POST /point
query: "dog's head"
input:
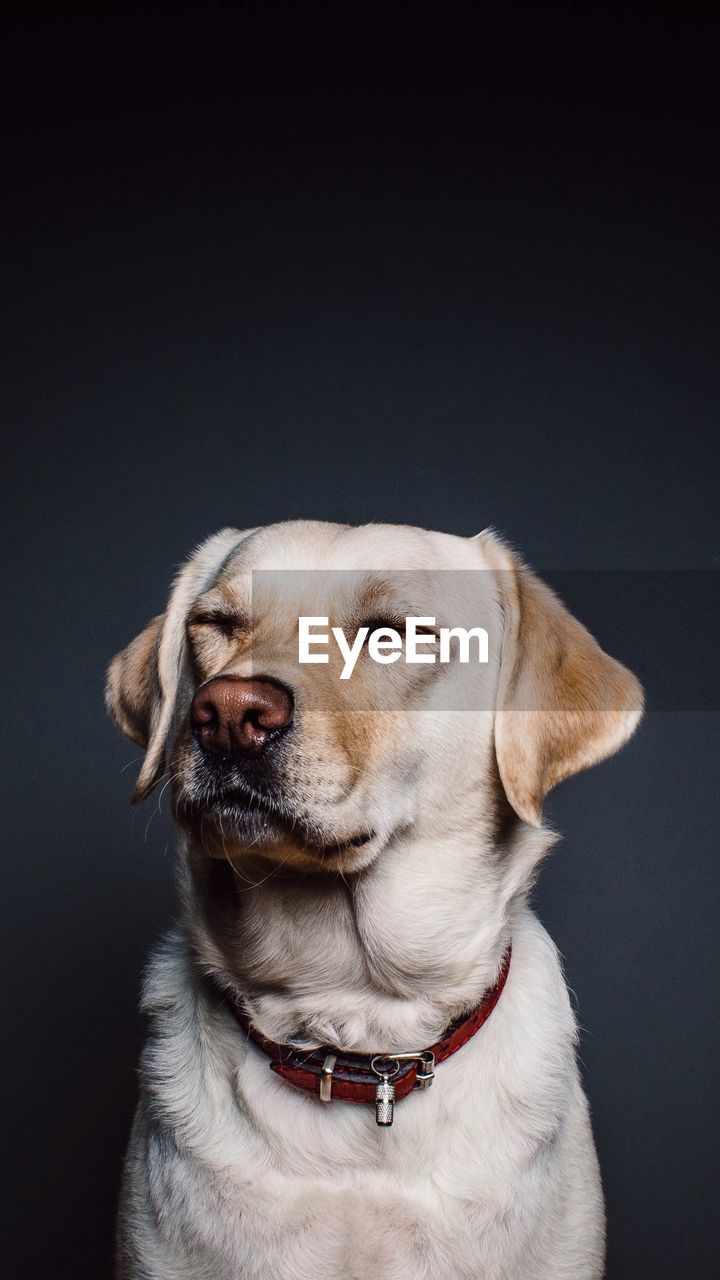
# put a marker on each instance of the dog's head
(294, 762)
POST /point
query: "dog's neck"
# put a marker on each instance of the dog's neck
(383, 959)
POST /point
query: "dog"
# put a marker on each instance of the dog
(355, 861)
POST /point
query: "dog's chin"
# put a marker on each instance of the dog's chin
(239, 832)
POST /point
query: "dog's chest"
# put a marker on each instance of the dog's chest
(333, 1195)
(247, 1177)
(356, 1222)
(351, 1230)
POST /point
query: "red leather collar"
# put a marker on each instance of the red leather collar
(351, 1077)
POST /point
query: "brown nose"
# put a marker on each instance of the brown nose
(233, 716)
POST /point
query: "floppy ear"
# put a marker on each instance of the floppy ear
(563, 703)
(132, 687)
(142, 681)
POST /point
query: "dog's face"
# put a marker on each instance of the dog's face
(308, 764)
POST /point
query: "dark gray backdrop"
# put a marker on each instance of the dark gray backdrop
(451, 266)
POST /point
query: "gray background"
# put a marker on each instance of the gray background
(447, 266)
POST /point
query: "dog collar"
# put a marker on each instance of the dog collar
(365, 1077)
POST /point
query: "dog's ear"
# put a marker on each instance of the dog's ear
(563, 704)
(132, 687)
(142, 681)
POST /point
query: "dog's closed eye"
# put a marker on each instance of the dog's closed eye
(226, 624)
(213, 634)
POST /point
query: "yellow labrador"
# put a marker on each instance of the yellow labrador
(361, 1063)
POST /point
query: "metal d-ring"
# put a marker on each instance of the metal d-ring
(426, 1066)
(385, 1075)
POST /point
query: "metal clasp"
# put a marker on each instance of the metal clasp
(426, 1070)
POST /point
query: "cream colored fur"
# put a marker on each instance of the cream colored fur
(491, 1174)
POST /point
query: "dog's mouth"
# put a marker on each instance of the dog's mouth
(238, 817)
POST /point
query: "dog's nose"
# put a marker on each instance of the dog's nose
(233, 716)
